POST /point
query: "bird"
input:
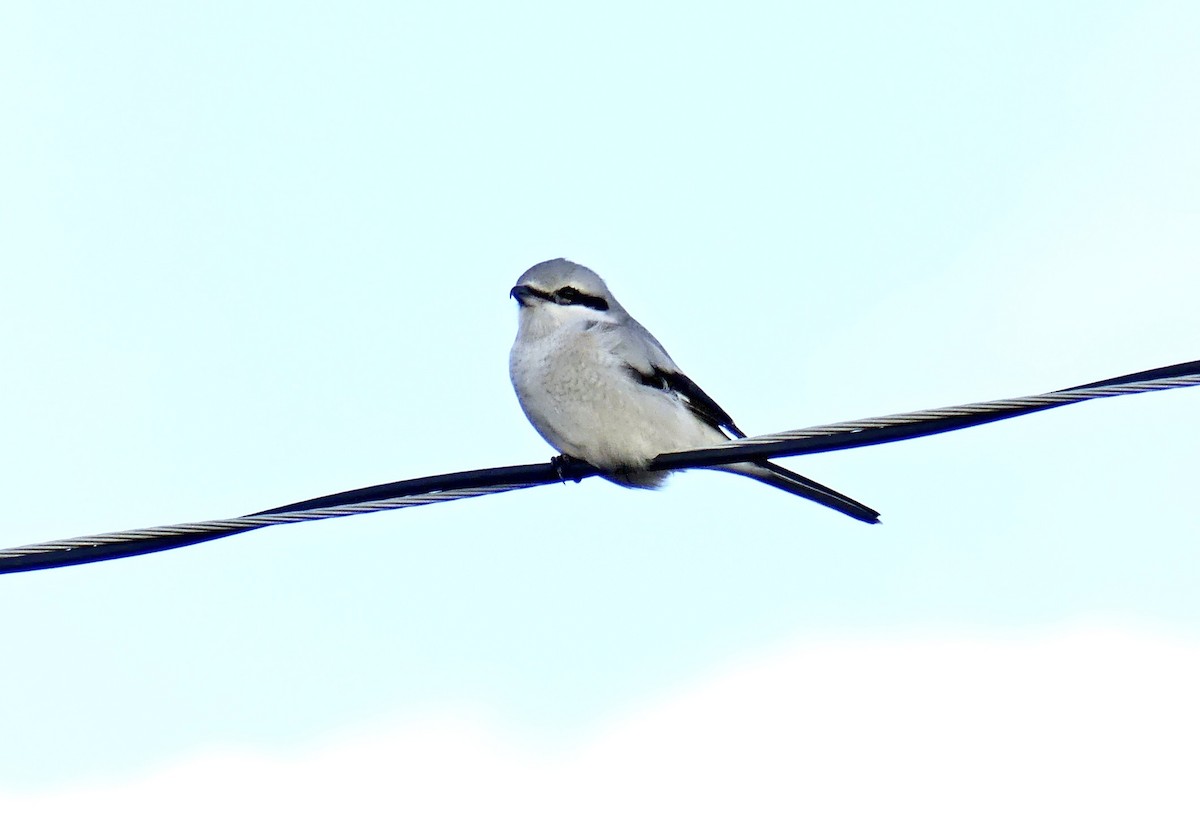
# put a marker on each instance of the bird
(600, 388)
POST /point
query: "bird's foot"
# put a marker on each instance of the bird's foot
(560, 464)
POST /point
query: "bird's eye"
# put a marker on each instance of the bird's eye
(573, 295)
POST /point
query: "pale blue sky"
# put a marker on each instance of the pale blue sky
(254, 253)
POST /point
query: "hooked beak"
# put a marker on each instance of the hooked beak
(524, 295)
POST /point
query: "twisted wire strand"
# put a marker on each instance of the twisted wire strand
(463, 485)
(895, 427)
(249, 522)
(1036, 402)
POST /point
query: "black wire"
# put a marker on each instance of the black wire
(1169, 372)
(571, 469)
(894, 433)
(36, 560)
(529, 475)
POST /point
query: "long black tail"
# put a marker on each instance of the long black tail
(793, 483)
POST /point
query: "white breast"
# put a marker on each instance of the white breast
(584, 401)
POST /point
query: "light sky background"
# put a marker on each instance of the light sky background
(254, 253)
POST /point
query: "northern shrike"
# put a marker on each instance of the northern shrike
(598, 387)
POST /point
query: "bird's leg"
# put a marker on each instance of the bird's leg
(560, 464)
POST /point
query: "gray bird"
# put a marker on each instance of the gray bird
(598, 387)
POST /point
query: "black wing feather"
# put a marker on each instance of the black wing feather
(699, 402)
(703, 406)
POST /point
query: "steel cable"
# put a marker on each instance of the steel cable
(462, 485)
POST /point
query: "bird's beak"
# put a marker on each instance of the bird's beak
(523, 294)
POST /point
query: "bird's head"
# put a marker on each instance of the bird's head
(559, 291)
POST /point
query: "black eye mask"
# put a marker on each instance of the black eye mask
(572, 295)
